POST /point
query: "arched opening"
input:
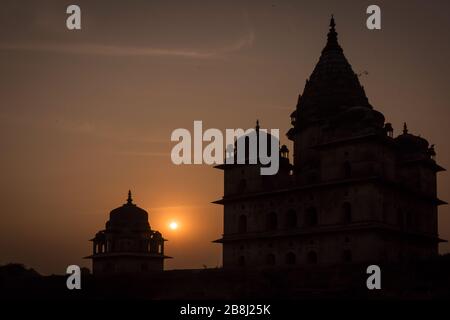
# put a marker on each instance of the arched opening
(347, 212)
(284, 152)
(270, 259)
(311, 258)
(242, 225)
(272, 221)
(347, 256)
(290, 258)
(291, 219)
(241, 261)
(311, 217)
(347, 169)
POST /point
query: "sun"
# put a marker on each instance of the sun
(173, 225)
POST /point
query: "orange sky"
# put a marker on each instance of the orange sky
(87, 115)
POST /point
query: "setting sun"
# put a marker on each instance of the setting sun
(173, 225)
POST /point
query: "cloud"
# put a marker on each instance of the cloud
(81, 127)
(105, 132)
(119, 51)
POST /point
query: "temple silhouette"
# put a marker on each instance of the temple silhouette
(354, 193)
(127, 245)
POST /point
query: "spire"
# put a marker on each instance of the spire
(257, 125)
(129, 200)
(333, 85)
(405, 128)
(332, 42)
(332, 24)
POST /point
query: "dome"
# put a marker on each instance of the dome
(410, 142)
(128, 216)
(250, 140)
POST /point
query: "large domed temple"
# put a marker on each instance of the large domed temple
(354, 193)
(128, 244)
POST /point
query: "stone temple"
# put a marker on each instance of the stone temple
(127, 245)
(354, 193)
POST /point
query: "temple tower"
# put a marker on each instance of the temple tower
(355, 193)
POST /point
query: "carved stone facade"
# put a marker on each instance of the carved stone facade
(355, 193)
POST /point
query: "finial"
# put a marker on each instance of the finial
(332, 43)
(432, 152)
(257, 125)
(405, 128)
(129, 200)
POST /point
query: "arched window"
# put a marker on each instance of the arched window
(347, 169)
(272, 221)
(242, 225)
(312, 257)
(241, 261)
(347, 212)
(290, 258)
(311, 217)
(291, 219)
(347, 256)
(270, 259)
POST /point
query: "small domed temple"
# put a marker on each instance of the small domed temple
(127, 245)
(354, 193)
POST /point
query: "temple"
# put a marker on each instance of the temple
(127, 245)
(354, 192)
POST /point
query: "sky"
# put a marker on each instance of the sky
(87, 115)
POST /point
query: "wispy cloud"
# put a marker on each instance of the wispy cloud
(81, 127)
(122, 51)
